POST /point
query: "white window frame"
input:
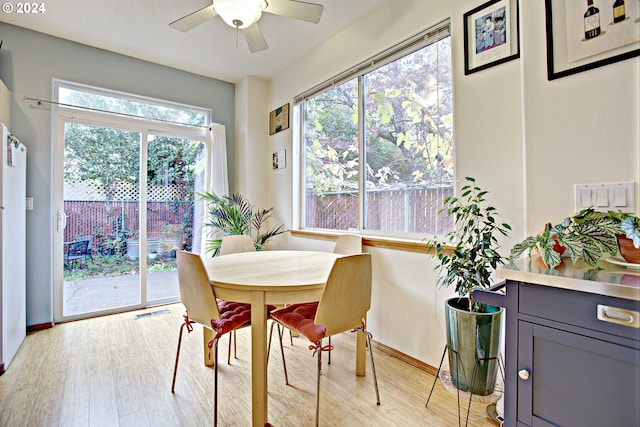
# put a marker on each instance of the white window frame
(412, 44)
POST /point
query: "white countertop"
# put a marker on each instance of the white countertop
(612, 280)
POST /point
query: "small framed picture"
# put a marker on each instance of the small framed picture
(586, 35)
(279, 119)
(491, 35)
(279, 159)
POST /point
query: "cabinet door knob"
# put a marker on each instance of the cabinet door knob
(523, 374)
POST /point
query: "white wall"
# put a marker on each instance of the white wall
(525, 139)
(252, 158)
(579, 129)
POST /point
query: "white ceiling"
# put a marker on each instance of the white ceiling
(141, 29)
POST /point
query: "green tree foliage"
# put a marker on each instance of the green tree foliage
(407, 126)
(109, 158)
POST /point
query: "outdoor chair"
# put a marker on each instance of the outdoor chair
(75, 253)
(89, 251)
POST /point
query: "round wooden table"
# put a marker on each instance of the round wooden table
(271, 277)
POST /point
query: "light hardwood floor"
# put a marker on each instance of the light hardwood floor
(116, 371)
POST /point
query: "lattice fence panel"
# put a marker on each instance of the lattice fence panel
(94, 190)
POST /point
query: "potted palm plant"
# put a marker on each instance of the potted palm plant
(236, 215)
(467, 257)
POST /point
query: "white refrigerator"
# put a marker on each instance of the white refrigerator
(13, 317)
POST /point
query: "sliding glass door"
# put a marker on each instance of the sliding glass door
(100, 219)
(125, 192)
(174, 175)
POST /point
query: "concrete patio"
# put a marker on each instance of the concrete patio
(93, 294)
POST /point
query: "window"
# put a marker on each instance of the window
(378, 144)
(94, 99)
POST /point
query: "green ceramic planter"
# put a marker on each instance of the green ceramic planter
(473, 336)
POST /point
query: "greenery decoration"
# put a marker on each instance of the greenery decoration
(229, 215)
(631, 227)
(589, 235)
(469, 254)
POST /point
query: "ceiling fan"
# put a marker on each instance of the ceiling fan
(244, 15)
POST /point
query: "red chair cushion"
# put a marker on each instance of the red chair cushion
(233, 315)
(299, 317)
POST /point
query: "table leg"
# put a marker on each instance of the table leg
(259, 359)
(361, 354)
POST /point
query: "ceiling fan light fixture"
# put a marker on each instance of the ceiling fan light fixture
(239, 14)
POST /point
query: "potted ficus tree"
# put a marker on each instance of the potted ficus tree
(467, 256)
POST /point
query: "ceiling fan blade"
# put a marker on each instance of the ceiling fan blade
(310, 12)
(254, 38)
(194, 19)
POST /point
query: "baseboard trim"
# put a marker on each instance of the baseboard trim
(39, 327)
(405, 358)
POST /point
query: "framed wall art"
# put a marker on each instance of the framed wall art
(279, 119)
(491, 35)
(582, 35)
(279, 159)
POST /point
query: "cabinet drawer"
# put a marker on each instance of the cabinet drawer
(577, 308)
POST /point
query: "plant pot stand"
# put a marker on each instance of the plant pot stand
(445, 379)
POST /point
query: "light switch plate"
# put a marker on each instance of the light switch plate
(619, 196)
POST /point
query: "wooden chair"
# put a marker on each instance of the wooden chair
(230, 245)
(199, 298)
(343, 307)
(348, 244)
(236, 243)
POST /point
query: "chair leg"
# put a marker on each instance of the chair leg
(235, 346)
(229, 353)
(215, 383)
(280, 336)
(284, 363)
(175, 368)
(373, 367)
(319, 367)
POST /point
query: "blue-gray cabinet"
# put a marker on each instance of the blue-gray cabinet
(572, 357)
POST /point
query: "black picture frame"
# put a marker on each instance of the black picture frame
(496, 42)
(567, 44)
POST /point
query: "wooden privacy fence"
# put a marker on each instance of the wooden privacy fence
(410, 210)
(400, 211)
(105, 219)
